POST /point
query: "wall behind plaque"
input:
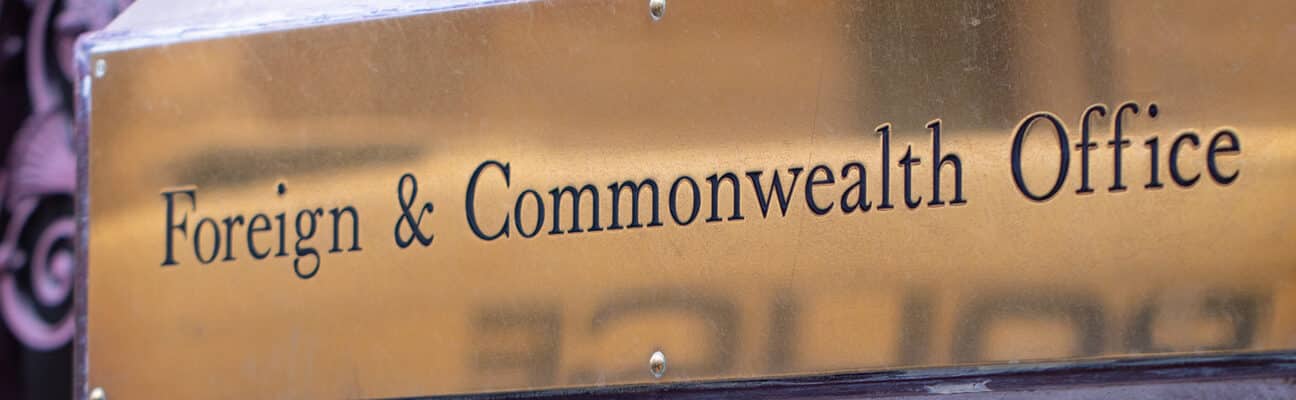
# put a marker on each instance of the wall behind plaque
(37, 182)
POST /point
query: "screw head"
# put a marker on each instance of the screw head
(100, 68)
(657, 364)
(656, 9)
(98, 394)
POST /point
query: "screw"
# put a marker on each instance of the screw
(657, 364)
(98, 394)
(656, 8)
(101, 67)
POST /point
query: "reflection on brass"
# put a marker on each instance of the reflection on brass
(535, 195)
(657, 364)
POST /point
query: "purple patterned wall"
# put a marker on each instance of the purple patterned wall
(37, 182)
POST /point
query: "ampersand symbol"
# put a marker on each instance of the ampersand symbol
(408, 219)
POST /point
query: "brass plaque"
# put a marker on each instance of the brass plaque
(539, 195)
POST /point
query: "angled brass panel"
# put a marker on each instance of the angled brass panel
(226, 177)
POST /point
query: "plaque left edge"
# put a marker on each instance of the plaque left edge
(122, 37)
(81, 143)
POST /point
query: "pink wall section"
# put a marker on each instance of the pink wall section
(37, 181)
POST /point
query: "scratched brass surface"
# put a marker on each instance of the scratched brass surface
(577, 92)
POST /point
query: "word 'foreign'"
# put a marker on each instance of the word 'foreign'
(258, 233)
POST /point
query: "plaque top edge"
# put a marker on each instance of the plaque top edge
(156, 23)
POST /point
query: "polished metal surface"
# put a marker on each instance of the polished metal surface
(447, 141)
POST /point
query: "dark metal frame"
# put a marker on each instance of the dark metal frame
(1246, 376)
